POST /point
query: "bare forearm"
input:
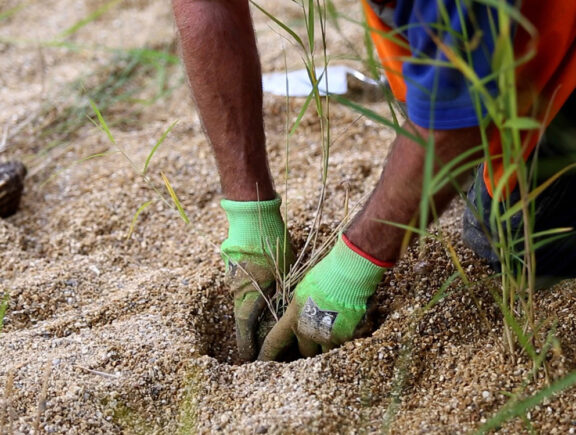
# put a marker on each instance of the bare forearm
(221, 59)
(396, 197)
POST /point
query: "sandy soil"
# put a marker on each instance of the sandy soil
(106, 333)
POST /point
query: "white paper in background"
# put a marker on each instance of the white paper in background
(334, 80)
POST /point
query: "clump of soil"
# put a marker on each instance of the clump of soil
(112, 331)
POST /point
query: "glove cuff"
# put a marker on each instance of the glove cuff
(349, 277)
(255, 228)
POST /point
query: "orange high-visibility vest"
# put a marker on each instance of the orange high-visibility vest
(544, 82)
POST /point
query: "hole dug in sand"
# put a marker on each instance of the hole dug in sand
(212, 320)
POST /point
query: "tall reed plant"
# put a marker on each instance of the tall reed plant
(525, 332)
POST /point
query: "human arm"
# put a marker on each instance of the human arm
(397, 195)
(221, 59)
(396, 198)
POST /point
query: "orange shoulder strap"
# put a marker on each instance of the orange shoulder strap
(390, 52)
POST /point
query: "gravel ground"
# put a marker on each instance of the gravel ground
(111, 332)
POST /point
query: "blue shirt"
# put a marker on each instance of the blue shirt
(439, 96)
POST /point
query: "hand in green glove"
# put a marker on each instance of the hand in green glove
(328, 304)
(254, 250)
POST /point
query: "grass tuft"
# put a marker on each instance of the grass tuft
(519, 407)
(3, 308)
(87, 20)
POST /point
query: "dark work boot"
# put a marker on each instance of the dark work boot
(553, 208)
(476, 233)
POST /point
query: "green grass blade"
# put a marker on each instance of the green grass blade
(370, 114)
(12, 11)
(3, 308)
(534, 193)
(91, 17)
(102, 122)
(151, 56)
(77, 162)
(441, 293)
(409, 228)
(281, 24)
(315, 92)
(522, 123)
(175, 199)
(427, 196)
(513, 12)
(149, 158)
(551, 237)
(521, 407)
(372, 63)
(301, 114)
(310, 25)
(333, 14)
(135, 217)
(523, 339)
(499, 192)
(457, 166)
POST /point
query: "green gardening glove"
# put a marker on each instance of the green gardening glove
(254, 252)
(328, 304)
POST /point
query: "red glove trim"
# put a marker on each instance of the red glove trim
(379, 263)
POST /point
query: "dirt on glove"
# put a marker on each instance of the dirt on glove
(109, 330)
